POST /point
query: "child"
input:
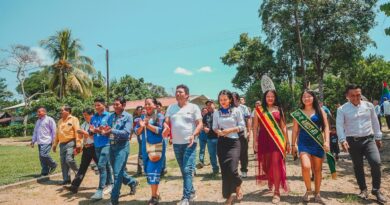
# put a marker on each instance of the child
(334, 143)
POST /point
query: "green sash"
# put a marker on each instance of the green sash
(314, 132)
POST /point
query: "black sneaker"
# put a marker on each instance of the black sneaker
(72, 189)
(52, 169)
(133, 188)
(63, 183)
(363, 194)
(379, 196)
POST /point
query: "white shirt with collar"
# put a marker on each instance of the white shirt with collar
(357, 121)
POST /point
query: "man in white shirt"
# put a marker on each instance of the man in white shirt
(184, 120)
(386, 111)
(378, 112)
(360, 135)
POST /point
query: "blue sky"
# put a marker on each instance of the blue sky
(148, 39)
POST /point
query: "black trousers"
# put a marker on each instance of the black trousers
(365, 147)
(379, 120)
(228, 151)
(243, 152)
(387, 121)
(86, 158)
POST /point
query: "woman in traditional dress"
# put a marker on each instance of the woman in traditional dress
(311, 153)
(271, 144)
(227, 122)
(150, 127)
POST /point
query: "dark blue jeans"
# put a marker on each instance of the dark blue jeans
(185, 157)
(44, 156)
(119, 154)
(212, 147)
(202, 147)
(104, 166)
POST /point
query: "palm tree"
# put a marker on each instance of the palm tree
(70, 71)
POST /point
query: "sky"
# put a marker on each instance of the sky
(165, 42)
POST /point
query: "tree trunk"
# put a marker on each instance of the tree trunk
(20, 77)
(320, 77)
(301, 57)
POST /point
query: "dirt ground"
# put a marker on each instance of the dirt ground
(339, 191)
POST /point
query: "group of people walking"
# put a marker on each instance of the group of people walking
(104, 138)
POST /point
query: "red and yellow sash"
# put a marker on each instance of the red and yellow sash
(272, 128)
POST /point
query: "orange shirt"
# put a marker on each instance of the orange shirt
(67, 131)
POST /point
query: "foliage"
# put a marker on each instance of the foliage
(386, 9)
(36, 82)
(333, 32)
(252, 59)
(71, 71)
(4, 92)
(135, 89)
(16, 130)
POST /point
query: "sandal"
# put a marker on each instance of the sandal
(154, 200)
(239, 194)
(306, 197)
(275, 199)
(229, 200)
(318, 199)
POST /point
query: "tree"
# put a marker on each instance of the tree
(5, 94)
(36, 82)
(253, 59)
(71, 71)
(135, 89)
(332, 32)
(386, 9)
(20, 60)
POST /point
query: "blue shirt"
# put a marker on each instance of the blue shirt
(96, 121)
(121, 125)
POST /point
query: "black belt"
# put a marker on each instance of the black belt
(114, 142)
(357, 139)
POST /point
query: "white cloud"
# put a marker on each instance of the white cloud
(43, 55)
(182, 71)
(205, 69)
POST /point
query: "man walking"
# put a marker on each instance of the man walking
(360, 135)
(69, 139)
(120, 124)
(386, 111)
(212, 138)
(185, 121)
(44, 134)
(102, 148)
(245, 134)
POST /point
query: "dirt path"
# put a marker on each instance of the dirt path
(340, 191)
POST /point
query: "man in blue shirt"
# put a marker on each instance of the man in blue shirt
(119, 128)
(102, 148)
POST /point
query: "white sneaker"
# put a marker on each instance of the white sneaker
(184, 202)
(107, 189)
(244, 174)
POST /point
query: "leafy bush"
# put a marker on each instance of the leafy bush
(15, 130)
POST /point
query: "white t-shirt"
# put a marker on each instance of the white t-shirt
(183, 121)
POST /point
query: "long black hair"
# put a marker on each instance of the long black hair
(229, 95)
(316, 106)
(236, 97)
(276, 103)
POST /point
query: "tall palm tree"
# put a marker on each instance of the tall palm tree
(70, 71)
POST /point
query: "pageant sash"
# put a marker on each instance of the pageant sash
(272, 128)
(314, 132)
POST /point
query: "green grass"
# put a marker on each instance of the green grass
(20, 163)
(350, 198)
